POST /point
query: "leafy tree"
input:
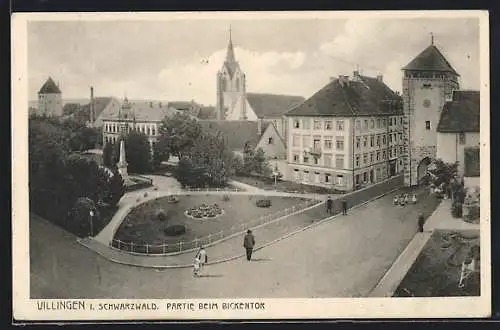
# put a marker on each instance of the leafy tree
(109, 155)
(116, 189)
(177, 135)
(190, 175)
(248, 159)
(70, 108)
(441, 174)
(138, 152)
(254, 161)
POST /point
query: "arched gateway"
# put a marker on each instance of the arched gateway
(422, 168)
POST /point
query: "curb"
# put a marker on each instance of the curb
(394, 266)
(243, 254)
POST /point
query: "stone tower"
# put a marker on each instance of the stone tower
(428, 82)
(50, 99)
(231, 88)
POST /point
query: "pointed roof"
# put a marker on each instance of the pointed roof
(230, 63)
(49, 87)
(431, 59)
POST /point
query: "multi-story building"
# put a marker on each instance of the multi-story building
(145, 117)
(428, 83)
(458, 137)
(49, 99)
(346, 135)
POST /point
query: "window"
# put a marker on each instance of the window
(316, 160)
(390, 153)
(383, 140)
(317, 125)
(389, 122)
(327, 177)
(378, 173)
(390, 138)
(339, 180)
(401, 150)
(317, 143)
(295, 141)
(296, 123)
(378, 155)
(328, 125)
(340, 142)
(365, 124)
(461, 138)
(384, 155)
(383, 123)
(372, 123)
(358, 141)
(378, 140)
(296, 174)
(295, 158)
(305, 177)
(371, 157)
(357, 178)
(378, 123)
(365, 177)
(372, 139)
(328, 142)
(340, 125)
(306, 123)
(427, 125)
(327, 160)
(149, 130)
(339, 161)
(357, 160)
(154, 130)
(358, 124)
(316, 177)
(365, 159)
(270, 140)
(365, 141)
(306, 159)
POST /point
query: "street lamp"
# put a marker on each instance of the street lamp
(91, 225)
(276, 173)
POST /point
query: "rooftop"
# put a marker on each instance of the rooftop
(236, 132)
(272, 105)
(461, 114)
(359, 96)
(49, 87)
(143, 111)
(431, 59)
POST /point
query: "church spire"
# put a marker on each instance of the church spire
(230, 58)
(432, 38)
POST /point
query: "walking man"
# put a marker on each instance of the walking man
(344, 207)
(329, 203)
(421, 222)
(200, 260)
(249, 243)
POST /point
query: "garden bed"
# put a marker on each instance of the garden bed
(141, 225)
(436, 271)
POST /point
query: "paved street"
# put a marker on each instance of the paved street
(342, 258)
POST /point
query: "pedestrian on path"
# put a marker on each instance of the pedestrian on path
(344, 207)
(200, 260)
(249, 243)
(329, 204)
(421, 222)
(196, 266)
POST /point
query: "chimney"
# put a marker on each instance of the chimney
(91, 106)
(380, 78)
(259, 126)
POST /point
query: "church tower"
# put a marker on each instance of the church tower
(50, 99)
(231, 88)
(428, 82)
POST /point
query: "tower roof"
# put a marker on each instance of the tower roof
(49, 87)
(431, 59)
(230, 63)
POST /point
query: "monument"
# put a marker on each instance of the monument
(122, 165)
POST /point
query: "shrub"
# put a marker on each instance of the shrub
(172, 199)
(456, 210)
(161, 215)
(225, 198)
(175, 230)
(263, 203)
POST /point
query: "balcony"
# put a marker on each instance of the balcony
(315, 152)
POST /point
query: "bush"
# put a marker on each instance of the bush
(263, 203)
(175, 230)
(456, 210)
(161, 215)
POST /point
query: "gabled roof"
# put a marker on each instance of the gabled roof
(431, 59)
(100, 103)
(236, 132)
(363, 96)
(461, 114)
(49, 87)
(143, 111)
(272, 105)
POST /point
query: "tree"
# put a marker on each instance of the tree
(70, 108)
(116, 189)
(441, 174)
(109, 157)
(177, 135)
(254, 161)
(248, 159)
(138, 152)
(190, 175)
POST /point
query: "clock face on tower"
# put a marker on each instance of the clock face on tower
(427, 103)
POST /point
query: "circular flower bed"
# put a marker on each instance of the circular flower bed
(204, 211)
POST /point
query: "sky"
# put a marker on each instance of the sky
(179, 59)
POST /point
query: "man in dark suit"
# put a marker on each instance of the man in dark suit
(329, 204)
(344, 207)
(249, 243)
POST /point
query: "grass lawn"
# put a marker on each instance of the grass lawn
(436, 272)
(141, 226)
(286, 186)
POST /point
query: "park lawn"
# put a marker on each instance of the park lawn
(436, 271)
(285, 186)
(240, 212)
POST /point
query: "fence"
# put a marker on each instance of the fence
(180, 247)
